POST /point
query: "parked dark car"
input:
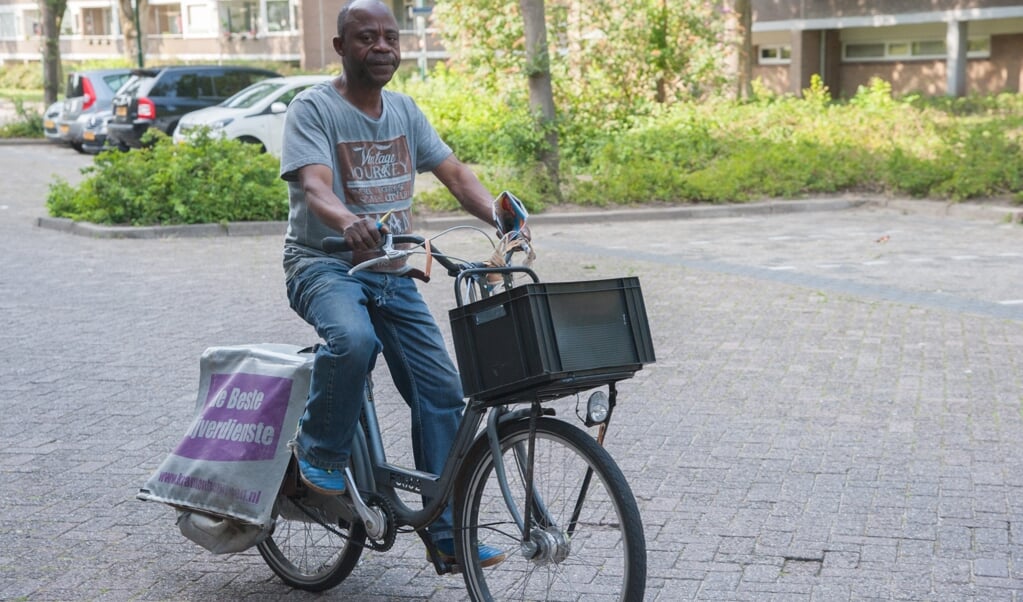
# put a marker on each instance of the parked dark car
(88, 93)
(158, 97)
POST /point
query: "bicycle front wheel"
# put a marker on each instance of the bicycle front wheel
(309, 547)
(586, 536)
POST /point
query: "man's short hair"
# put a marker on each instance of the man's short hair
(342, 15)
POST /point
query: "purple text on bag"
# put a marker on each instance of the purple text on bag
(241, 419)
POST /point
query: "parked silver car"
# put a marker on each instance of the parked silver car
(89, 93)
(50, 123)
(94, 133)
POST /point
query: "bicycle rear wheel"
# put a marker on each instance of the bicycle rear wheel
(587, 537)
(309, 548)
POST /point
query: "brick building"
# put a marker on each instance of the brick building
(933, 47)
(929, 46)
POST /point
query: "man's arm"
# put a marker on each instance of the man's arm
(317, 181)
(466, 188)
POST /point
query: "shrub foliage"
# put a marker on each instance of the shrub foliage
(208, 181)
(718, 150)
(713, 150)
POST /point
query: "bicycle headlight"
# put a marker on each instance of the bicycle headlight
(597, 408)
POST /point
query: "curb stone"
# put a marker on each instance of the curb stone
(983, 211)
(440, 222)
(183, 231)
(987, 212)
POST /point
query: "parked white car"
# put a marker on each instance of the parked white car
(255, 114)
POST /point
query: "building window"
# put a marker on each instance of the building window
(908, 50)
(97, 21)
(200, 20)
(166, 18)
(8, 27)
(978, 47)
(239, 16)
(280, 16)
(774, 55)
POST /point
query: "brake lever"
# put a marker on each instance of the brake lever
(389, 254)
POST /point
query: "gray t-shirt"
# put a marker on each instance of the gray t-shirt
(374, 161)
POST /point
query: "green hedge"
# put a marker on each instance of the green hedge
(714, 151)
(209, 181)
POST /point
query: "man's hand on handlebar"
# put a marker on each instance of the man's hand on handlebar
(364, 234)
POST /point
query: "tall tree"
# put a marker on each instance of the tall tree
(743, 13)
(541, 91)
(53, 16)
(610, 54)
(128, 21)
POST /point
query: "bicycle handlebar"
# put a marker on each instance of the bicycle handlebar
(337, 244)
(461, 272)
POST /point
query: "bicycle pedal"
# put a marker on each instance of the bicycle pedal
(443, 566)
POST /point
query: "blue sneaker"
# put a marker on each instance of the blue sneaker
(321, 480)
(489, 556)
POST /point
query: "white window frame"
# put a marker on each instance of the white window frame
(891, 56)
(780, 49)
(192, 29)
(264, 19)
(13, 34)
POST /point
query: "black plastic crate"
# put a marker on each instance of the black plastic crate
(549, 339)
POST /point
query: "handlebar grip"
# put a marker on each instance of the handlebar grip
(337, 244)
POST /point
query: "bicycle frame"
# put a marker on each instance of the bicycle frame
(377, 475)
(373, 474)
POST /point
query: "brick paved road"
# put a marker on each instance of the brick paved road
(830, 418)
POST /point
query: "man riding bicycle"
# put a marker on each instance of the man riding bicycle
(350, 155)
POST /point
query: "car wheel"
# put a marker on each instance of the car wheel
(254, 141)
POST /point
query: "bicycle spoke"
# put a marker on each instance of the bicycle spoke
(604, 558)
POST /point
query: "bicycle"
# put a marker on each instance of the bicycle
(539, 488)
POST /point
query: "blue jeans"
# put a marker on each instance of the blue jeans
(359, 316)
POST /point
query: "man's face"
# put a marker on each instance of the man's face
(369, 47)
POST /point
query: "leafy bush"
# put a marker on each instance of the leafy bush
(530, 185)
(21, 76)
(480, 127)
(29, 123)
(208, 181)
(714, 151)
(726, 151)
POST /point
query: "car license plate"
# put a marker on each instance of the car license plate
(122, 111)
(89, 136)
(65, 129)
(48, 124)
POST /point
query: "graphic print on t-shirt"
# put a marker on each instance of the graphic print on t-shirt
(377, 177)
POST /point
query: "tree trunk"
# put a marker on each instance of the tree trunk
(53, 14)
(131, 33)
(541, 91)
(744, 47)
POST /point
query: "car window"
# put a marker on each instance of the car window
(231, 82)
(115, 80)
(206, 86)
(166, 85)
(189, 86)
(131, 87)
(290, 95)
(74, 86)
(252, 95)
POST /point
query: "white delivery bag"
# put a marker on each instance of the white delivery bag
(225, 473)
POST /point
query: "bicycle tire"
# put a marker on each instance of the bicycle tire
(307, 555)
(605, 557)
